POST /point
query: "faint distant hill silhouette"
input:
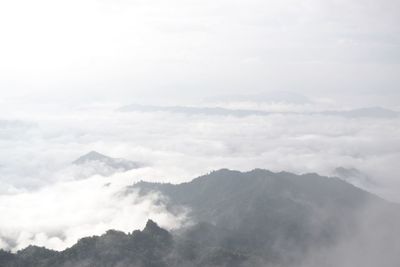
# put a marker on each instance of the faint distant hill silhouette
(368, 112)
(97, 163)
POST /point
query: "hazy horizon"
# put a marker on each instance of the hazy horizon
(101, 51)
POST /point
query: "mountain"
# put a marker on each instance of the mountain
(96, 163)
(261, 205)
(281, 217)
(115, 163)
(369, 112)
(189, 110)
(242, 219)
(151, 247)
(139, 248)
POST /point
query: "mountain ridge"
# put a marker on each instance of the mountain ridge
(365, 112)
(243, 219)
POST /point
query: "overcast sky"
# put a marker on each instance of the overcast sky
(120, 50)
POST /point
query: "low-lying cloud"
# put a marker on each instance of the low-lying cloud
(56, 216)
(43, 202)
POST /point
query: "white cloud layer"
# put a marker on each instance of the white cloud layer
(56, 216)
(43, 202)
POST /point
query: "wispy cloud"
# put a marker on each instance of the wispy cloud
(56, 216)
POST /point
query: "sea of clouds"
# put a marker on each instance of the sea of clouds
(44, 202)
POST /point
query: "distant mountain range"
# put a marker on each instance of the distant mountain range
(212, 111)
(372, 112)
(369, 112)
(256, 218)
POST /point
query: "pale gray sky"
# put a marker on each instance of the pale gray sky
(116, 50)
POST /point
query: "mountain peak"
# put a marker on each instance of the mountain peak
(95, 153)
(151, 226)
(105, 164)
(154, 230)
(91, 156)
